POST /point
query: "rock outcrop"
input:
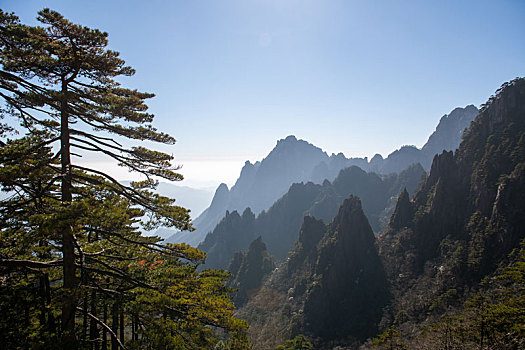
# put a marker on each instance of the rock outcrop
(349, 288)
(331, 288)
(249, 270)
(468, 214)
(279, 225)
(292, 161)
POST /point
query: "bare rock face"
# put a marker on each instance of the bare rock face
(279, 225)
(468, 214)
(249, 270)
(292, 161)
(233, 233)
(332, 287)
(509, 210)
(448, 133)
(403, 213)
(349, 286)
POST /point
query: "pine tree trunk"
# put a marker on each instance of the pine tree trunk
(132, 328)
(68, 247)
(93, 326)
(122, 325)
(114, 326)
(136, 328)
(104, 332)
(51, 326)
(85, 317)
(43, 299)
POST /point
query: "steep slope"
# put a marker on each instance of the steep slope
(332, 287)
(446, 137)
(259, 185)
(236, 231)
(280, 225)
(448, 133)
(206, 221)
(466, 218)
(291, 161)
(249, 270)
(351, 289)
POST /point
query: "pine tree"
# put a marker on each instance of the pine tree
(78, 225)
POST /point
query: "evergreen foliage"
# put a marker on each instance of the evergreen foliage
(332, 287)
(467, 216)
(280, 224)
(300, 342)
(445, 270)
(75, 272)
(491, 319)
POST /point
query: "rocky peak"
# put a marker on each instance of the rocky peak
(506, 106)
(350, 289)
(442, 164)
(249, 270)
(257, 247)
(349, 213)
(449, 131)
(311, 232)
(292, 146)
(248, 215)
(376, 158)
(221, 195)
(443, 169)
(403, 213)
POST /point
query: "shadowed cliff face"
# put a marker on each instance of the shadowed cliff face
(332, 287)
(464, 220)
(279, 226)
(249, 270)
(468, 214)
(448, 133)
(292, 161)
(350, 288)
(234, 228)
(403, 213)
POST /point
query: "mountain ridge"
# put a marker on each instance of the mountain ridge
(292, 161)
(462, 223)
(278, 226)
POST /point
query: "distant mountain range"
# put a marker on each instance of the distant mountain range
(279, 225)
(460, 237)
(194, 199)
(293, 161)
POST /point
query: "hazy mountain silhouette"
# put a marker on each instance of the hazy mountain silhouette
(261, 184)
(468, 214)
(279, 225)
(292, 161)
(195, 199)
(332, 286)
(340, 285)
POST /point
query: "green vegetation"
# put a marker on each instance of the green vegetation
(492, 319)
(389, 339)
(75, 272)
(300, 342)
(450, 268)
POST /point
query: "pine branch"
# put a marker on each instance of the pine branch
(21, 263)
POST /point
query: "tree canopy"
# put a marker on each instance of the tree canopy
(75, 270)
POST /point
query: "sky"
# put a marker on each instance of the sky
(232, 77)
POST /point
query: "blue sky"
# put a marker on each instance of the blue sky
(359, 77)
